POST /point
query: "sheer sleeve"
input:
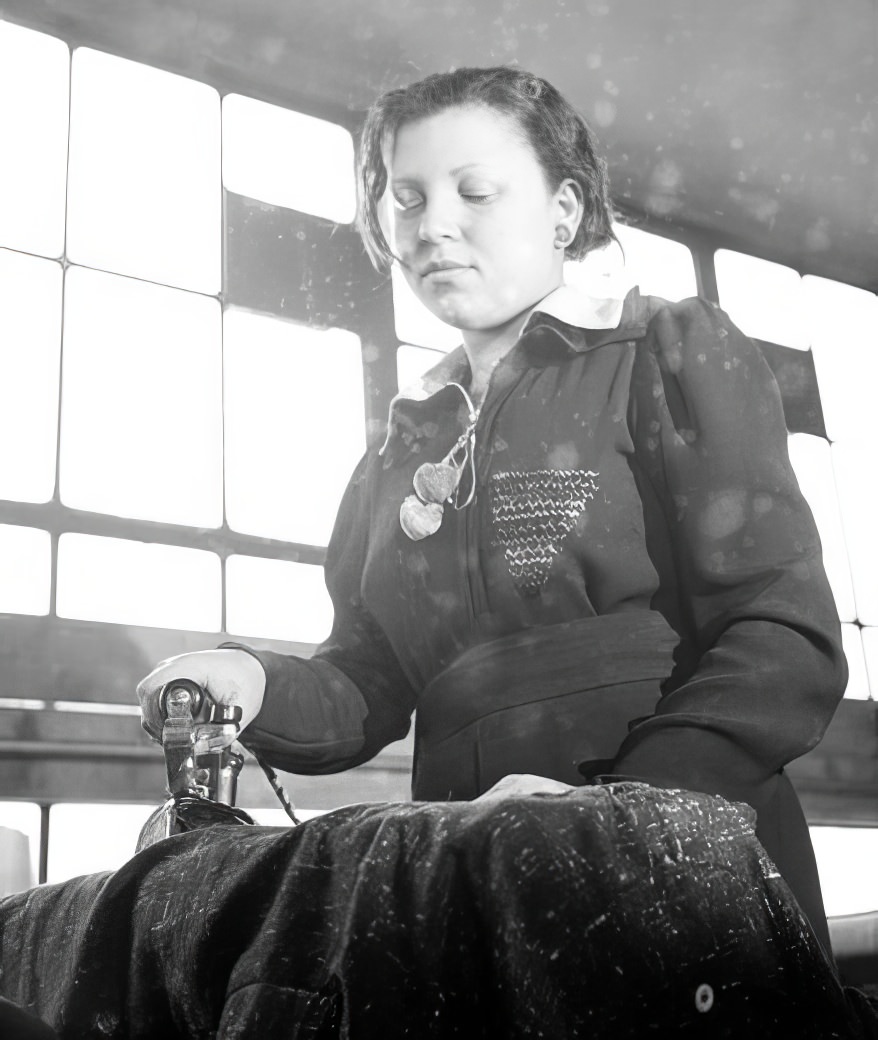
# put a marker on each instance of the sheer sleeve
(760, 668)
(341, 706)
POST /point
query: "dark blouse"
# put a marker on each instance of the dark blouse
(631, 471)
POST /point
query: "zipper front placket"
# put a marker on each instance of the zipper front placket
(475, 594)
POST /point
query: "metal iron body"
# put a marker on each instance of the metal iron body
(201, 764)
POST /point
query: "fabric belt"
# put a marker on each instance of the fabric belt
(542, 700)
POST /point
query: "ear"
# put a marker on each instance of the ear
(569, 209)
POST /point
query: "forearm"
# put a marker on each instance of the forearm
(316, 719)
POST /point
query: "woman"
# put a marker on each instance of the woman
(581, 551)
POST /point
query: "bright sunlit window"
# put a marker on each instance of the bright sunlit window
(295, 425)
(19, 846)
(415, 323)
(763, 299)
(30, 346)
(843, 321)
(870, 652)
(602, 273)
(34, 103)
(144, 191)
(112, 832)
(812, 462)
(276, 599)
(136, 583)
(413, 362)
(288, 158)
(846, 858)
(141, 422)
(660, 266)
(25, 570)
(858, 679)
(852, 464)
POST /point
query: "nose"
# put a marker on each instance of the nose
(438, 221)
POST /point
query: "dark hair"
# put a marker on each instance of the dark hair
(561, 139)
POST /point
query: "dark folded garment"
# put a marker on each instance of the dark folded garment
(611, 912)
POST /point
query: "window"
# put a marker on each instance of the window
(853, 466)
(34, 104)
(138, 583)
(413, 362)
(846, 858)
(19, 846)
(660, 266)
(294, 425)
(763, 299)
(141, 422)
(144, 194)
(277, 599)
(858, 679)
(112, 832)
(415, 323)
(30, 348)
(812, 461)
(293, 160)
(836, 323)
(842, 321)
(25, 570)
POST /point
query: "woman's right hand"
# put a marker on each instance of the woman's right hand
(227, 676)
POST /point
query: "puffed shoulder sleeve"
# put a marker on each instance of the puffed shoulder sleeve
(341, 706)
(760, 669)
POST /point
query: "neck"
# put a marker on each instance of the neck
(485, 348)
(483, 355)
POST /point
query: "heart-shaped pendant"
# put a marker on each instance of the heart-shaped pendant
(419, 519)
(435, 481)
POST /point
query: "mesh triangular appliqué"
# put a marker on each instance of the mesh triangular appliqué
(533, 513)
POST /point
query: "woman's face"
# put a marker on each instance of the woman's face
(473, 220)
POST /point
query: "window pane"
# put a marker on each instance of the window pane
(844, 330)
(141, 418)
(288, 158)
(602, 273)
(414, 323)
(852, 465)
(660, 266)
(137, 583)
(25, 570)
(846, 858)
(144, 194)
(277, 599)
(85, 839)
(30, 347)
(858, 681)
(295, 425)
(413, 362)
(812, 462)
(870, 652)
(764, 300)
(19, 846)
(34, 104)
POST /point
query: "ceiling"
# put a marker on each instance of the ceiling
(754, 121)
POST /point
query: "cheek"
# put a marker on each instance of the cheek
(525, 247)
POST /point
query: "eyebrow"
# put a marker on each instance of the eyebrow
(466, 166)
(454, 173)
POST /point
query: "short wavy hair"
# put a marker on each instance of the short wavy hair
(562, 141)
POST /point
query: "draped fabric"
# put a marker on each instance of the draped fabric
(610, 912)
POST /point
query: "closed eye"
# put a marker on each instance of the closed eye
(406, 202)
(479, 200)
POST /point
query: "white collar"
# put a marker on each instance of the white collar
(568, 303)
(575, 306)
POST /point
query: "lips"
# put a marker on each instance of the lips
(439, 266)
